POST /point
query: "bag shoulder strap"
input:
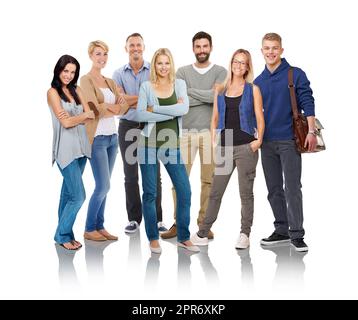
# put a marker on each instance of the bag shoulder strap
(291, 86)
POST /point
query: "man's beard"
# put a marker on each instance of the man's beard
(202, 59)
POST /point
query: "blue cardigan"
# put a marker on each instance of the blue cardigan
(246, 111)
(147, 97)
(277, 103)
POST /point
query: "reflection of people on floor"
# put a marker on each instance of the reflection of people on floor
(94, 257)
(184, 262)
(66, 269)
(211, 275)
(152, 271)
(247, 271)
(134, 252)
(290, 266)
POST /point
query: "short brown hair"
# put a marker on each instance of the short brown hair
(272, 37)
(135, 34)
(202, 35)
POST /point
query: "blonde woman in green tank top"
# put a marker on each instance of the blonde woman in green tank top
(161, 104)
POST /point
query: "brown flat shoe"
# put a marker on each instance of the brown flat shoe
(171, 233)
(210, 235)
(94, 236)
(107, 235)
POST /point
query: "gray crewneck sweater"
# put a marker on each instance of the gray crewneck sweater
(201, 94)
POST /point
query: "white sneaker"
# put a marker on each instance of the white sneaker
(157, 250)
(196, 240)
(243, 242)
(189, 248)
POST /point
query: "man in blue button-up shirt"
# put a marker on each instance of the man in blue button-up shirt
(129, 79)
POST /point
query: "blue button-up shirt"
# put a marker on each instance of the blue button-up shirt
(131, 82)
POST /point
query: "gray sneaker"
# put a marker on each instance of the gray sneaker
(132, 227)
(161, 227)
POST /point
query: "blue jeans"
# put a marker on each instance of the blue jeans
(71, 199)
(129, 136)
(104, 153)
(171, 159)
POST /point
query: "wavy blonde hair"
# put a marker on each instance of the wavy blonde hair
(153, 73)
(98, 43)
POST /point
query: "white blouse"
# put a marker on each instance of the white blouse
(107, 126)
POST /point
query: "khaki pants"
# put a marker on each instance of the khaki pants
(245, 160)
(190, 144)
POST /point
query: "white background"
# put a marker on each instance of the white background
(317, 36)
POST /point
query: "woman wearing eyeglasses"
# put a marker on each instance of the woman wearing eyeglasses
(239, 121)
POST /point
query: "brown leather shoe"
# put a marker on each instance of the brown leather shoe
(107, 235)
(171, 233)
(94, 236)
(210, 235)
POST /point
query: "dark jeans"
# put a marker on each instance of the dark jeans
(282, 166)
(129, 133)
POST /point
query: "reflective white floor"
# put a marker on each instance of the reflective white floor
(191, 271)
(32, 266)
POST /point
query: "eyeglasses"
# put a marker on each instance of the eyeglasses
(240, 63)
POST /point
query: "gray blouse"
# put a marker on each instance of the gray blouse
(71, 143)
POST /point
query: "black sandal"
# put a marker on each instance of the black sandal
(75, 243)
(69, 249)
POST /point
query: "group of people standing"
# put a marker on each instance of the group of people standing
(168, 117)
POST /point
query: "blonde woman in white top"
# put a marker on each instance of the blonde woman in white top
(103, 97)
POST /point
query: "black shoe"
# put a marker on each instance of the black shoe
(274, 239)
(299, 245)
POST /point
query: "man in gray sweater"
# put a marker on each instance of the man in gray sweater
(201, 77)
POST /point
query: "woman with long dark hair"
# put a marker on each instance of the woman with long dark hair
(71, 147)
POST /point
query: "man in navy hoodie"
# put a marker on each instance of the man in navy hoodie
(280, 160)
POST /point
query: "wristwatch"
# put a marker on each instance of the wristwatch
(312, 132)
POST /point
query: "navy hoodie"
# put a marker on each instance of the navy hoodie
(277, 103)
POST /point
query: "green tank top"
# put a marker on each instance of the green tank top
(165, 132)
